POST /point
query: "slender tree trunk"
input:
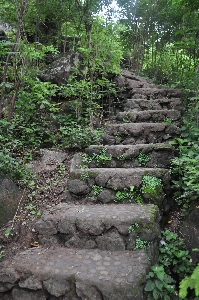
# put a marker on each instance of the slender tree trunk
(20, 15)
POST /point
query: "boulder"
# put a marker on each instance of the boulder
(3, 36)
(59, 70)
(10, 196)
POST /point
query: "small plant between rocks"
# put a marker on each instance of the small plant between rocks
(133, 227)
(140, 244)
(97, 189)
(152, 187)
(100, 159)
(84, 176)
(2, 252)
(121, 157)
(143, 159)
(126, 119)
(130, 194)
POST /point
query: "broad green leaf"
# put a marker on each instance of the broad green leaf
(150, 285)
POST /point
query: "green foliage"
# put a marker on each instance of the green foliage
(174, 264)
(185, 167)
(168, 120)
(191, 282)
(133, 227)
(174, 256)
(4, 47)
(78, 136)
(121, 157)
(140, 244)
(97, 190)
(152, 187)
(99, 160)
(14, 167)
(143, 159)
(8, 232)
(128, 194)
(84, 176)
(126, 119)
(33, 210)
(2, 252)
(160, 285)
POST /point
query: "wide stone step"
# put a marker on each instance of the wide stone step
(152, 116)
(126, 156)
(155, 93)
(72, 274)
(157, 104)
(139, 133)
(106, 185)
(106, 227)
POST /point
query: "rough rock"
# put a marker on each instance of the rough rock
(155, 104)
(22, 294)
(148, 132)
(49, 160)
(10, 196)
(127, 156)
(60, 69)
(3, 36)
(78, 187)
(151, 116)
(103, 226)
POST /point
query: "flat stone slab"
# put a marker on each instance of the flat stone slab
(105, 227)
(152, 116)
(110, 181)
(74, 274)
(129, 156)
(139, 133)
(157, 104)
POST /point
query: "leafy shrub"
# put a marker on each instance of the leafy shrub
(174, 264)
(185, 167)
(160, 285)
(174, 255)
(191, 282)
(78, 136)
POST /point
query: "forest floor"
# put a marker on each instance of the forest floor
(47, 190)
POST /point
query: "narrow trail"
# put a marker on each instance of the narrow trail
(100, 244)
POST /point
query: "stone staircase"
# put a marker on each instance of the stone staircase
(100, 244)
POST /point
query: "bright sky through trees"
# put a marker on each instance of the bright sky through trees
(112, 12)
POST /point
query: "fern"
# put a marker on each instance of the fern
(191, 282)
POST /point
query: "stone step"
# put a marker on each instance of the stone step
(155, 93)
(106, 227)
(152, 116)
(127, 156)
(139, 133)
(72, 274)
(157, 104)
(106, 185)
